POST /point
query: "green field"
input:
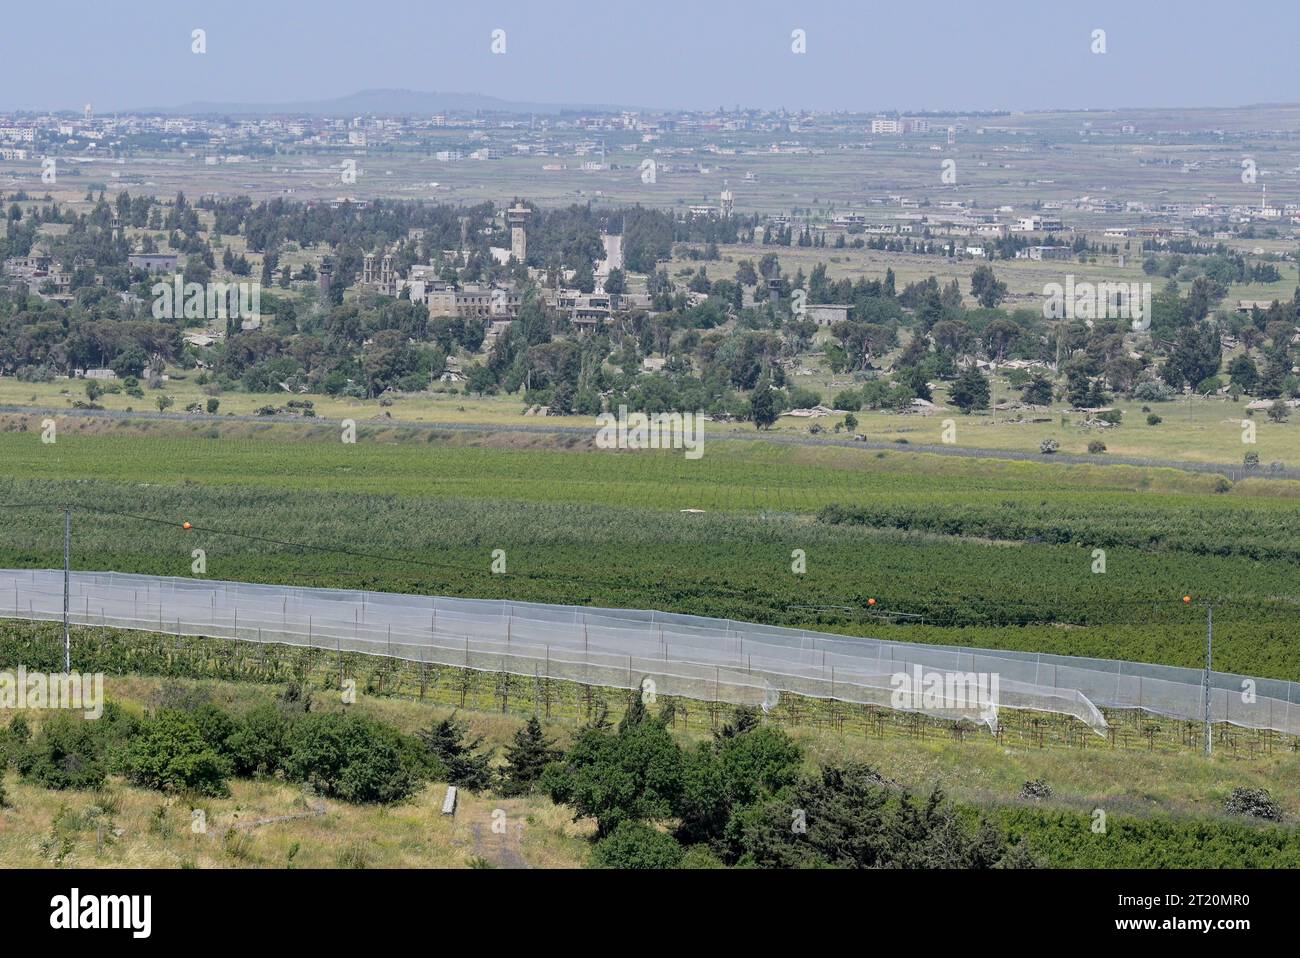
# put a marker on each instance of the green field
(990, 553)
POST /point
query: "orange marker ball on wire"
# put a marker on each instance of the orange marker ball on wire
(1187, 598)
(186, 526)
(871, 602)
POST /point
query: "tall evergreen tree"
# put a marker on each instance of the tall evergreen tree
(970, 391)
(762, 405)
(526, 757)
(448, 743)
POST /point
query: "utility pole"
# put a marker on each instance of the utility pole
(67, 573)
(1209, 663)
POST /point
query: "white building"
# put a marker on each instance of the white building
(827, 314)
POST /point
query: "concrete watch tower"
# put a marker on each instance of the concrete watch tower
(517, 219)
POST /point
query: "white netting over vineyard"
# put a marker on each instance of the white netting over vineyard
(691, 656)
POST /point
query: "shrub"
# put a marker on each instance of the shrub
(1153, 419)
(353, 758)
(801, 398)
(1153, 390)
(66, 753)
(257, 745)
(1048, 446)
(170, 753)
(215, 726)
(1112, 416)
(13, 739)
(637, 845)
(700, 857)
(849, 400)
(1096, 447)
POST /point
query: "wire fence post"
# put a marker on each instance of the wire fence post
(67, 575)
(1209, 664)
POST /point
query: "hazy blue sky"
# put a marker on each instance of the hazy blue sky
(862, 54)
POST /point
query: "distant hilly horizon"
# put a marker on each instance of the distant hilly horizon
(395, 102)
(405, 102)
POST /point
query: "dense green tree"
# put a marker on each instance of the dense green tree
(999, 336)
(632, 774)
(1038, 391)
(744, 764)
(616, 282)
(453, 750)
(1196, 356)
(526, 758)
(356, 759)
(1244, 374)
(987, 289)
(763, 405)
(970, 391)
(847, 816)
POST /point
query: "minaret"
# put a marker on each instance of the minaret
(728, 201)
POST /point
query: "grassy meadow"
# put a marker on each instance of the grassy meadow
(1163, 809)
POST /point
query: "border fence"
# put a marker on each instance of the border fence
(695, 657)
